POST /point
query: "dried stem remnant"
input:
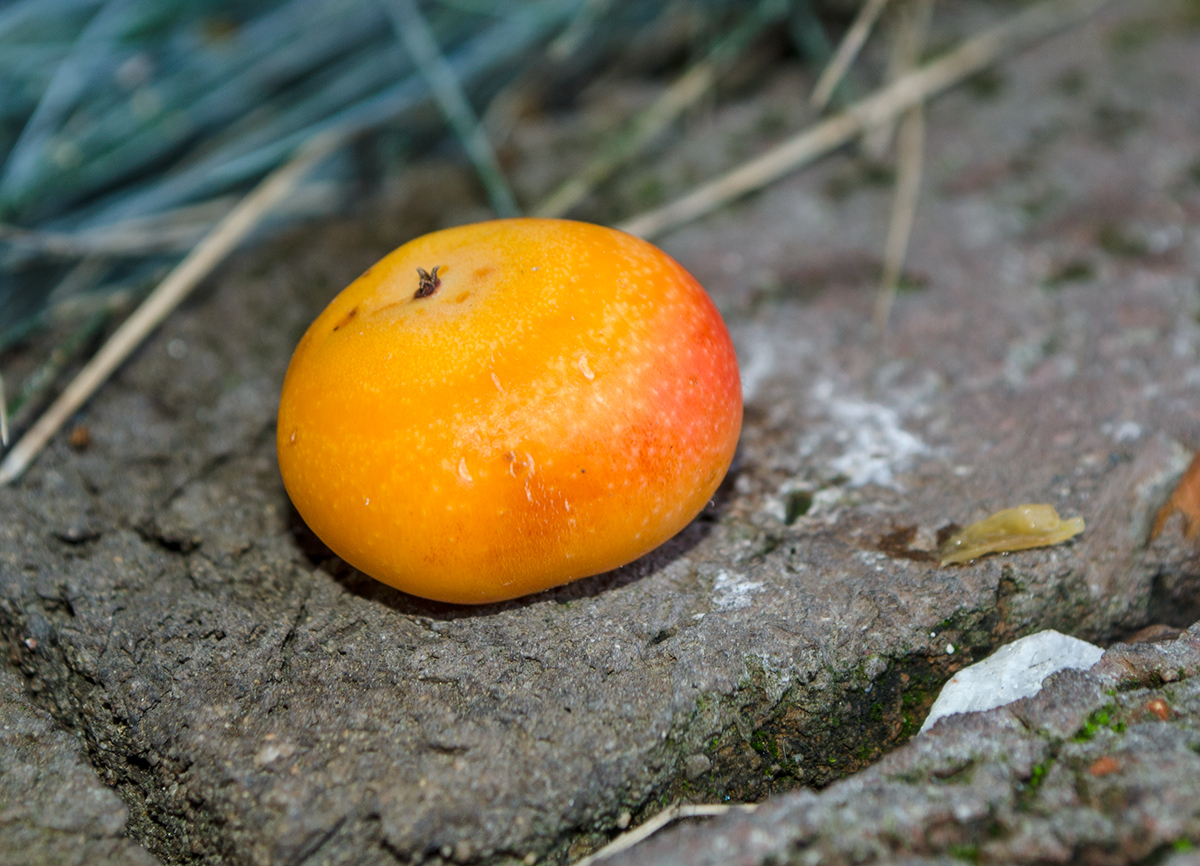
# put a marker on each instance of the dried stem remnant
(428, 283)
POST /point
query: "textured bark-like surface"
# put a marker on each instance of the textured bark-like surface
(252, 700)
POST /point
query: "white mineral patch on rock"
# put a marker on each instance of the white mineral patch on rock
(760, 363)
(875, 446)
(1012, 672)
(732, 591)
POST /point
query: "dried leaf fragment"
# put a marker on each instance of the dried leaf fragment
(1185, 500)
(1017, 528)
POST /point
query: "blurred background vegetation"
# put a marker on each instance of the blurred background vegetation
(128, 127)
(133, 131)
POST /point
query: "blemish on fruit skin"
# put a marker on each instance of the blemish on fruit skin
(292, 438)
(463, 472)
(582, 364)
(346, 319)
(496, 382)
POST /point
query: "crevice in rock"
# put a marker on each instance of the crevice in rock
(1174, 598)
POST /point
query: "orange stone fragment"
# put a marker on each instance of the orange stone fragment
(1185, 500)
(1158, 708)
(1104, 766)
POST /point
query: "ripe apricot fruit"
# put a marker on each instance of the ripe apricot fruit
(499, 408)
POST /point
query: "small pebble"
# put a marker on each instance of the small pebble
(1158, 708)
(696, 766)
(80, 437)
(1104, 766)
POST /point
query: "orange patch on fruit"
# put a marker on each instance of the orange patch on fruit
(512, 405)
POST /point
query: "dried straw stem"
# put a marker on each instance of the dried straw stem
(846, 51)
(910, 146)
(210, 252)
(909, 41)
(672, 813)
(974, 54)
(3, 415)
(683, 93)
(909, 29)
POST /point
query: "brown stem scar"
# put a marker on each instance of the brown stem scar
(428, 283)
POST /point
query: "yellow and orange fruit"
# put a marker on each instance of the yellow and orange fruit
(499, 408)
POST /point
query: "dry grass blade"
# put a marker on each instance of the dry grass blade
(910, 40)
(911, 146)
(222, 240)
(683, 93)
(846, 51)
(976, 53)
(910, 27)
(3, 415)
(672, 813)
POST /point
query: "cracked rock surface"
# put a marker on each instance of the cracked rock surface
(253, 700)
(54, 810)
(1101, 766)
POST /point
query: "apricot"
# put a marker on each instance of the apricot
(499, 408)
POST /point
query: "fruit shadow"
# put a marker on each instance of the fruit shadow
(354, 581)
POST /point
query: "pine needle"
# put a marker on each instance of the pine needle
(176, 230)
(38, 383)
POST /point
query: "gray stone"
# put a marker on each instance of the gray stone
(254, 700)
(1016, 670)
(696, 766)
(1118, 786)
(54, 810)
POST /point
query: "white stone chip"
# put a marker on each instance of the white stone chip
(1012, 672)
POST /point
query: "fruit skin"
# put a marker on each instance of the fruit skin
(564, 401)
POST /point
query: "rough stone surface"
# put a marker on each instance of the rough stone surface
(1016, 670)
(54, 810)
(252, 700)
(1101, 766)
